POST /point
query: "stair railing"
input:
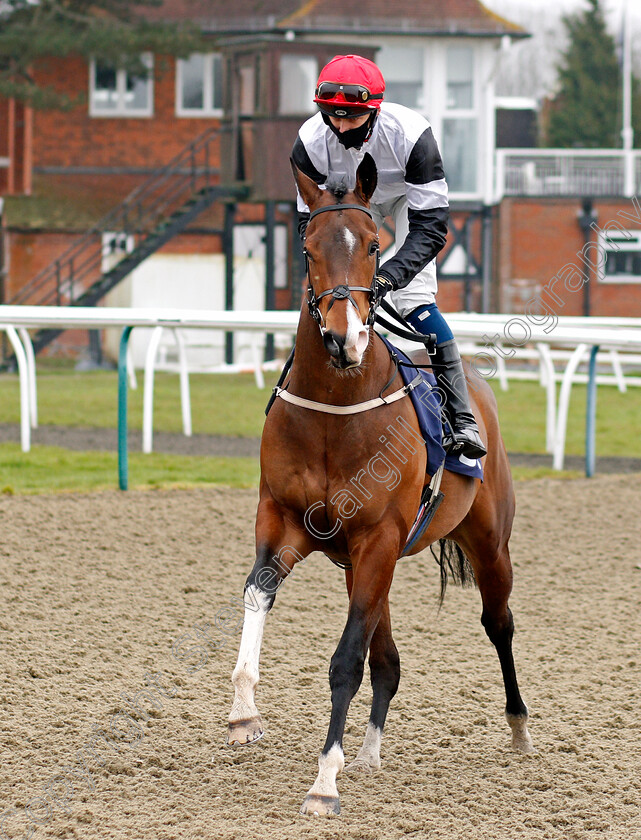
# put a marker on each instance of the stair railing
(140, 214)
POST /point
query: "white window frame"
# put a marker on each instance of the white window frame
(208, 109)
(473, 108)
(422, 80)
(121, 89)
(473, 113)
(615, 242)
(306, 86)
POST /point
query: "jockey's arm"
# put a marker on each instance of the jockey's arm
(428, 213)
(305, 165)
(426, 237)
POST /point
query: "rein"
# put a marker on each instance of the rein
(344, 291)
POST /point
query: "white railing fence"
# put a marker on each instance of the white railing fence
(567, 172)
(578, 338)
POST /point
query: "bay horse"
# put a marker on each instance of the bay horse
(326, 485)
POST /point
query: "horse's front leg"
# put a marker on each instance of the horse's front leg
(373, 572)
(385, 669)
(273, 563)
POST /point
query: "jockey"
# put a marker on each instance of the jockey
(353, 120)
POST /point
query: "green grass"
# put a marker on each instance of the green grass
(232, 405)
(49, 469)
(223, 404)
(530, 473)
(522, 415)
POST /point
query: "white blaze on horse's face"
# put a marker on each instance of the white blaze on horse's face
(350, 240)
(356, 338)
(355, 331)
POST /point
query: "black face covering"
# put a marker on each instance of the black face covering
(355, 137)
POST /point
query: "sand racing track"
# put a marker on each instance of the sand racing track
(99, 590)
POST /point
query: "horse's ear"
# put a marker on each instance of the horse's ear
(308, 189)
(366, 178)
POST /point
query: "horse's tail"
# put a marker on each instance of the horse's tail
(454, 565)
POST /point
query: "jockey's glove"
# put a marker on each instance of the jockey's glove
(380, 287)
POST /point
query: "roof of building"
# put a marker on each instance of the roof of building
(76, 203)
(410, 17)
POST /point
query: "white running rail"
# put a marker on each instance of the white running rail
(573, 335)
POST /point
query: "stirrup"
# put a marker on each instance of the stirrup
(464, 441)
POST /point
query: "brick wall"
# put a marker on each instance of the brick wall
(73, 138)
(29, 253)
(539, 238)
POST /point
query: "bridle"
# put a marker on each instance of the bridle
(342, 291)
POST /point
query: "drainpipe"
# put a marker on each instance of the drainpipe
(2, 256)
(627, 132)
(494, 180)
(228, 248)
(270, 285)
(488, 238)
(3, 274)
(586, 218)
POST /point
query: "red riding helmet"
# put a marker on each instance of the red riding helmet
(349, 86)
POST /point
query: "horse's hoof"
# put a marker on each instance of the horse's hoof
(522, 744)
(244, 732)
(521, 739)
(315, 805)
(361, 766)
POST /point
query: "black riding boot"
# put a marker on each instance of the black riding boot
(456, 402)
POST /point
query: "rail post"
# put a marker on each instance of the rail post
(590, 417)
(123, 461)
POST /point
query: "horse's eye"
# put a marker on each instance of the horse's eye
(373, 248)
(308, 256)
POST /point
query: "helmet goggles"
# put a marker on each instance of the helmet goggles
(352, 94)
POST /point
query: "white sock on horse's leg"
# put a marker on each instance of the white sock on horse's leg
(245, 725)
(369, 755)
(322, 798)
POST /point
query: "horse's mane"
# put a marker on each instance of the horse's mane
(338, 189)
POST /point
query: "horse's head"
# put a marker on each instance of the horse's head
(342, 253)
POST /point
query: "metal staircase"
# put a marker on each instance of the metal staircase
(148, 218)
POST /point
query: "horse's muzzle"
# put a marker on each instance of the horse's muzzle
(335, 346)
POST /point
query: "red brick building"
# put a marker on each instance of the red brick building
(60, 173)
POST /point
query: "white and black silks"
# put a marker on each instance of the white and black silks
(408, 163)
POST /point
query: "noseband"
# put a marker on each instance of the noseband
(342, 291)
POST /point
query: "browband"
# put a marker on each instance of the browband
(340, 207)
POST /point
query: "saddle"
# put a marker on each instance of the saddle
(430, 421)
(430, 417)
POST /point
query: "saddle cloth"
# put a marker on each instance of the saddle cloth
(428, 413)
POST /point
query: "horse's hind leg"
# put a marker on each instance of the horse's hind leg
(495, 583)
(385, 672)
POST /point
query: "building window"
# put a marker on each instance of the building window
(298, 75)
(621, 257)
(460, 78)
(248, 99)
(115, 92)
(460, 148)
(402, 68)
(199, 86)
(460, 152)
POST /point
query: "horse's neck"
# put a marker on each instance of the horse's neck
(314, 378)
